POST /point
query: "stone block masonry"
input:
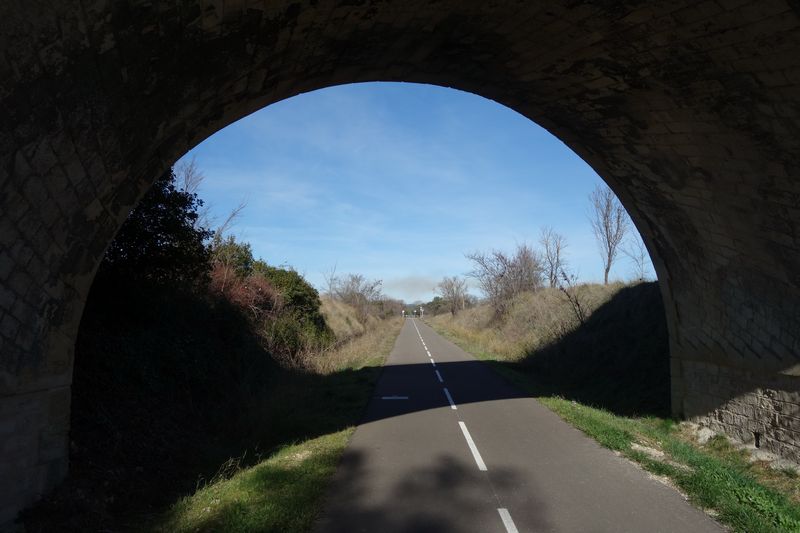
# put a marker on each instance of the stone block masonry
(689, 110)
(34, 447)
(744, 404)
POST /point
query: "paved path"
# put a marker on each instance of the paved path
(448, 446)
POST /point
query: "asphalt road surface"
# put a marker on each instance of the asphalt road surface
(447, 445)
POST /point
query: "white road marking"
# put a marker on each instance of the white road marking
(394, 397)
(506, 518)
(450, 399)
(474, 449)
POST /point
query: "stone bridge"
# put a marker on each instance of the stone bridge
(688, 109)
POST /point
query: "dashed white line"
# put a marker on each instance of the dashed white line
(450, 399)
(474, 449)
(394, 397)
(506, 518)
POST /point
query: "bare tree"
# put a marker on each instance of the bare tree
(524, 271)
(353, 287)
(188, 178)
(223, 228)
(359, 292)
(487, 272)
(636, 251)
(568, 285)
(609, 224)
(331, 280)
(553, 244)
(189, 175)
(502, 276)
(454, 291)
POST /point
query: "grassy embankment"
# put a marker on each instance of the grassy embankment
(283, 492)
(608, 377)
(182, 421)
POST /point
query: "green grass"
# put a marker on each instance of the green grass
(717, 477)
(280, 494)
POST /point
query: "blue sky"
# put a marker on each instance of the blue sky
(396, 181)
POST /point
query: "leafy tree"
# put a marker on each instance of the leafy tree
(297, 293)
(300, 324)
(437, 306)
(159, 242)
(230, 253)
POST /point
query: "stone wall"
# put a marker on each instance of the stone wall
(33, 445)
(742, 403)
(689, 110)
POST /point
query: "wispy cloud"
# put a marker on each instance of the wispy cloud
(397, 182)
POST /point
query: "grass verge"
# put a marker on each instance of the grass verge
(283, 492)
(717, 477)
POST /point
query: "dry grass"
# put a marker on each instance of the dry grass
(618, 357)
(534, 321)
(353, 341)
(343, 319)
(367, 349)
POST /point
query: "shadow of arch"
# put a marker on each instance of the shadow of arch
(690, 112)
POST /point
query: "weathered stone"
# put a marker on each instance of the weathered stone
(689, 110)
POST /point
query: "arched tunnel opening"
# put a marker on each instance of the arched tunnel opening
(688, 111)
(173, 376)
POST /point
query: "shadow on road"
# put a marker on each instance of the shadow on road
(137, 448)
(407, 507)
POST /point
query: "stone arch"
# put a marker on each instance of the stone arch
(690, 111)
